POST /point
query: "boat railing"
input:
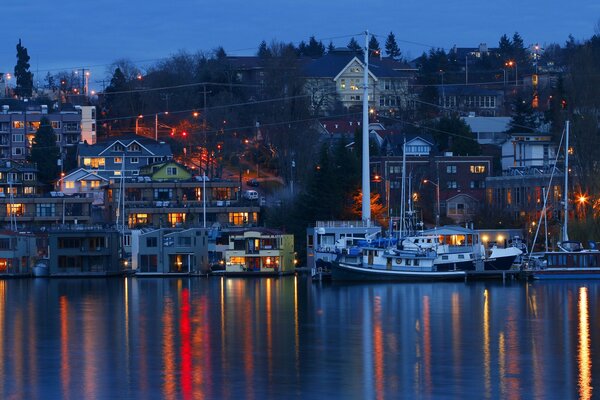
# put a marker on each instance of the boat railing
(344, 224)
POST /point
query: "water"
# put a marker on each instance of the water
(225, 338)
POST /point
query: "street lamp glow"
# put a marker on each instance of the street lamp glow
(582, 199)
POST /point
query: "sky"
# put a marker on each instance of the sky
(69, 34)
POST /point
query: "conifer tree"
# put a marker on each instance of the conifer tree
(391, 47)
(22, 74)
(45, 153)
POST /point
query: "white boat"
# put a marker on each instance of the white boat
(41, 269)
(390, 264)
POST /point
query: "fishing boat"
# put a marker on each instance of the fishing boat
(571, 260)
(390, 264)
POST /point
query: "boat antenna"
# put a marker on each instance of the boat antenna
(366, 188)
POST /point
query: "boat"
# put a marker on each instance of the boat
(41, 269)
(571, 260)
(390, 264)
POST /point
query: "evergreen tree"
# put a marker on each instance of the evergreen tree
(391, 47)
(45, 153)
(374, 47)
(453, 134)
(354, 46)
(314, 49)
(330, 47)
(505, 48)
(523, 119)
(263, 50)
(22, 74)
(220, 53)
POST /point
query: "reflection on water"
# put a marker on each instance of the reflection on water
(584, 357)
(289, 338)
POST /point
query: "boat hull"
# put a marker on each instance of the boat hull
(347, 272)
(499, 263)
(565, 273)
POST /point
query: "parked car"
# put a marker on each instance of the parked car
(252, 182)
(251, 195)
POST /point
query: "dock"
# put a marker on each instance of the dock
(511, 274)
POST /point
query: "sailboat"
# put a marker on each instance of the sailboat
(572, 260)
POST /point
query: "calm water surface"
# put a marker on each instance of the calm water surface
(225, 338)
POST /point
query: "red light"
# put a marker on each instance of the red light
(184, 133)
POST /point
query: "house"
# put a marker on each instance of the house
(83, 182)
(18, 177)
(18, 253)
(528, 150)
(168, 251)
(179, 202)
(471, 99)
(125, 155)
(260, 252)
(488, 130)
(166, 170)
(19, 122)
(83, 250)
(338, 77)
(35, 211)
(417, 144)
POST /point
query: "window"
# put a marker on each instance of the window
(18, 124)
(451, 169)
(163, 194)
(176, 218)
(4, 126)
(28, 190)
(18, 151)
(477, 169)
(17, 137)
(118, 160)
(94, 162)
(71, 126)
(477, 184)
(93, 127)
(342, 84)
(70, 185)
(34, 125)
(118, 147)
(28, 176)
(117, 173)
(133, 147)
(171, 171)
(148, 263)
(138, 219)
(135, 160)
(451, 185)
(238, 218)
(16, 209)
(184, 241)
(152, 242)
(45, 210)
(55, 124)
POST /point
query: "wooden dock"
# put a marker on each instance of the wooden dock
(511, 274)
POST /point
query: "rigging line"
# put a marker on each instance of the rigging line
(105, 93)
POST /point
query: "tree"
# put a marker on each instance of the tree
(263, 50)
(22, 74)
(314, 49)
(523, 119)
(330, 47)
(391, 47)
(374, 47)
(354, 46)
(45, 153)
(453, 134)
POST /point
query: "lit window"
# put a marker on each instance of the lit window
(70, 184)
(477, 169)
(238, 218)
(176, 218)
(16, 209)
(118, 160)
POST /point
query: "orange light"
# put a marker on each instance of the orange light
(195, 114)
(582, 199)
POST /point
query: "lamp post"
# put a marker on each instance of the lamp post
(437, 193)
(156, 123)
(510, 64)
(137, 119)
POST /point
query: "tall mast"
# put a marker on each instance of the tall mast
(403, 192)
(565, 235)
(366, 188)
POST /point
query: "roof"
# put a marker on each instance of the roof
(330, 65)
(488, 124)
(467, 90)
(154, 147)
(449, 230)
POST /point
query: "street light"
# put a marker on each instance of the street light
(437, 192)
(137, 119)
(510, 64)
(156, 123)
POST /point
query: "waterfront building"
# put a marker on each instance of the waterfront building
(125, 155)
(260, 251)
(18, 253)
(180, 202)
(19, 122)
(167, 251)
(36, 211)
(83, 250)
(527, 150)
